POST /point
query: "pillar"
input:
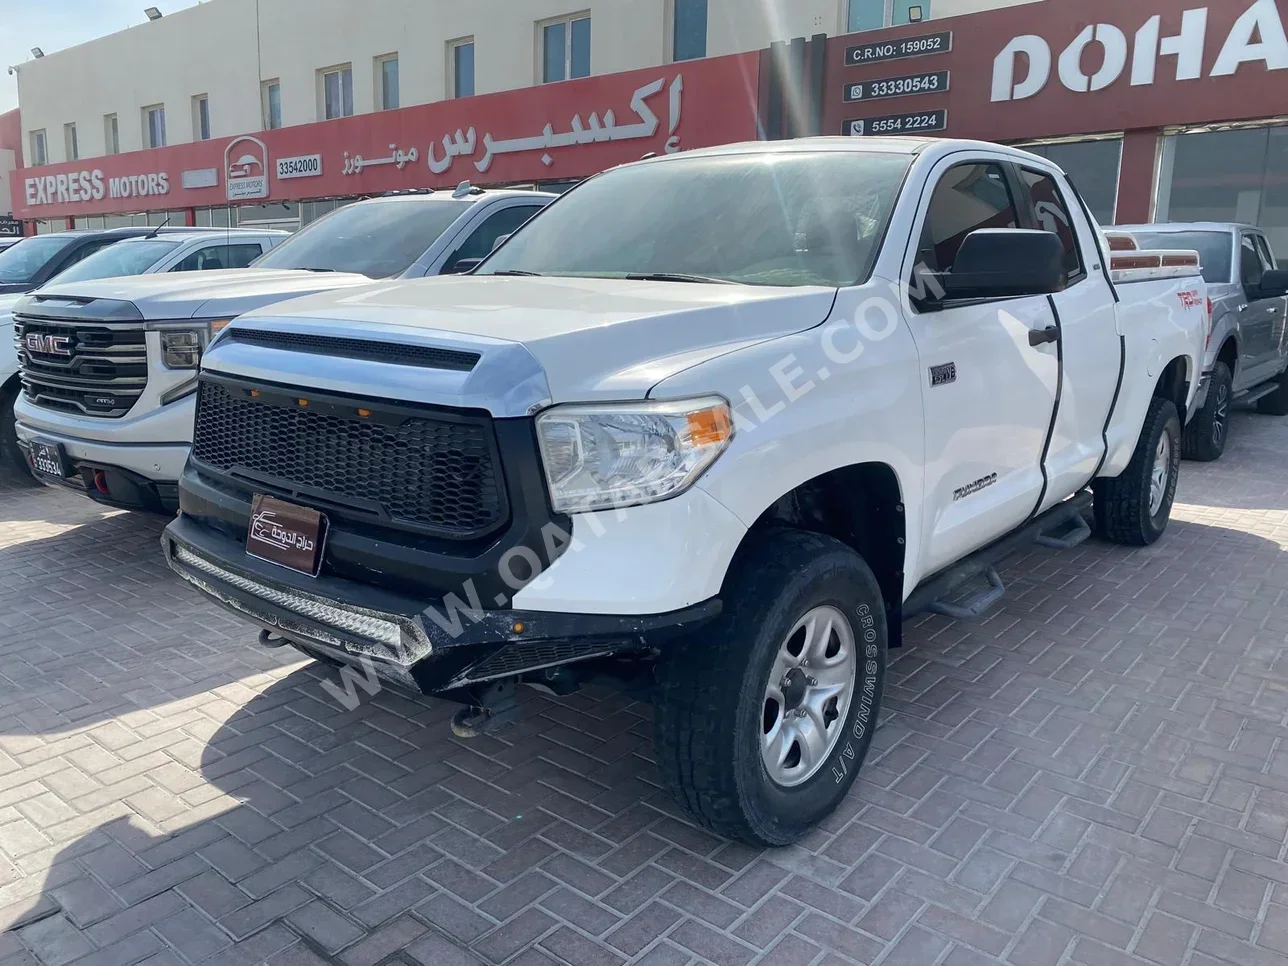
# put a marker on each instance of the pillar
(1137, 176)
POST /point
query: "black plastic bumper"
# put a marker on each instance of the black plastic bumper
(432, 645)
(115, 486)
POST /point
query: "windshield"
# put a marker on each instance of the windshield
(378, 239)
(1214, 248)
(23, 261)
(123, 258)
(768, 219)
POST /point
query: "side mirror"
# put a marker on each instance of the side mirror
(1274, 284)
(500, 240)
(464, 266)
(996, 263)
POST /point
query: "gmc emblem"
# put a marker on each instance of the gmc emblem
(49, 345)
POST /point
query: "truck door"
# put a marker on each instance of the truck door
(1089, 347)
(988, 393)
(1259, 318)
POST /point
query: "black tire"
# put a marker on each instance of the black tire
(10, 454)
(1123, 503)
(1206, 434)
(1276, 403)
(711, 703)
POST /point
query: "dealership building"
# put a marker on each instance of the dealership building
(274, 111)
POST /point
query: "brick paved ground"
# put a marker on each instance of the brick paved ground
(1096, 774)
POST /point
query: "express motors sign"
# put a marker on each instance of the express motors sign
(1025, 66)
(70, 187)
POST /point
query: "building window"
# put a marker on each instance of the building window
(689, 30)
(154, 126)
(39, 148)
(565, 49)
(201, 117)
(461, 60)
(337, 92)
(111, 134)
(271, 97)
(1236, 175)
(875, 14)
(387, 82)
(1092, 167)
(70, 144)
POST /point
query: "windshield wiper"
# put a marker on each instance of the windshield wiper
(513, 271)
(676, 277)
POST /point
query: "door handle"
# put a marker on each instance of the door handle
(1043, 336)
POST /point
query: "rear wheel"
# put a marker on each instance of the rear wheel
(764, 717)
(1134, 508)
(1205, 436)
(1276, 403)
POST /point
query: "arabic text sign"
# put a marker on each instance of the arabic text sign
(545, 132)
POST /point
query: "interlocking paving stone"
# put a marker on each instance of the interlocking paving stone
(1094, 773)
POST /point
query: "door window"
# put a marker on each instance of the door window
(967, 198)
(483, 240)
(1250, 265)
(219, 256)
(1053, 215)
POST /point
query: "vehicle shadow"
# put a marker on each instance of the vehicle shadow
(206, 798)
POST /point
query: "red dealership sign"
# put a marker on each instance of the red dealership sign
(550, 132)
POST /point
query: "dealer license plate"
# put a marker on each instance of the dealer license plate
(285, 534)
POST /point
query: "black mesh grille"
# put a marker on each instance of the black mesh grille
(434, 475)
(403, 355)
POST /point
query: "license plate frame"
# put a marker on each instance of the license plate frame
(49, 459)
(287, 534)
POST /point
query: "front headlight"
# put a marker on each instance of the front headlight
(603, 456)
(181, 348)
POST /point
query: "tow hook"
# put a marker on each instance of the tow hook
(270, 640)
(495, 708)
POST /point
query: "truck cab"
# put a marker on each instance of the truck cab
(108, 367)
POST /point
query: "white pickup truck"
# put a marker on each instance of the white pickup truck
(710, 426)
(108, 367)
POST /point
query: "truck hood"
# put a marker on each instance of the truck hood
(539, 340)
(186, 295)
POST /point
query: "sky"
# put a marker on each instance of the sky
(56, 24)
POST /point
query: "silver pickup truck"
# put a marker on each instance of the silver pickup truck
(1247, 350)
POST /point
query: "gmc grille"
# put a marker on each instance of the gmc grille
(89, 369)
(430, 472)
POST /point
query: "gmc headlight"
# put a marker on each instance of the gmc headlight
(181, 348)
(604, 456)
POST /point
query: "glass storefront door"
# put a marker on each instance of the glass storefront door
(1093, 168)
(1238, 175)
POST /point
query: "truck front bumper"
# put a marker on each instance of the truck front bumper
(126, 470)
(431, 646)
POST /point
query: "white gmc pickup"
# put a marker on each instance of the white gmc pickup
(710, 426)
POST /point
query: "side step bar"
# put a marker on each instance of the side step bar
(1061, 528)
(1250, 396)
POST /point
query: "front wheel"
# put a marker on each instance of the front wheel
(1134, 508)
(1205, 436)
(764, 717)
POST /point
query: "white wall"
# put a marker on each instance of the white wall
(215, 48)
